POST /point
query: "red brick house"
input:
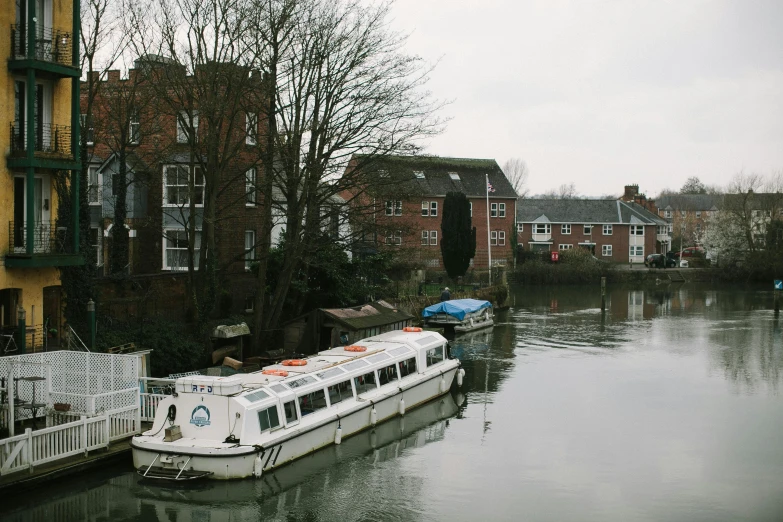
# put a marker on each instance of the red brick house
(405, 206)
(613, 230)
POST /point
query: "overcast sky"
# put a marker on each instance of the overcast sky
(604, 93)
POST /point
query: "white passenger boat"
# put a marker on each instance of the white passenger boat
(245, 425)
(464, 315)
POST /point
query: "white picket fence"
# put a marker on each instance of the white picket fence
(34, 448)
(149, 405)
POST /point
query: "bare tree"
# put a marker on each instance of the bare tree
(517, 172)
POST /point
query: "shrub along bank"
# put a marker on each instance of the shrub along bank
(575, 267)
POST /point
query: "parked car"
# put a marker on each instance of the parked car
(693, 251)
(659, 261)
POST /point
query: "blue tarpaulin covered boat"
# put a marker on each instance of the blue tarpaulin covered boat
(463, 314)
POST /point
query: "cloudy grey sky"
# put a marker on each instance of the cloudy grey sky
(603, 93)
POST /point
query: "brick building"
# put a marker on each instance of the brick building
(612, 230)
(406, 207)
(164, 172)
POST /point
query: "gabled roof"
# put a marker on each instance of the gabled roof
(437, 178)
(689, 202)
(378, 313)
(587, 211)
(132, 160)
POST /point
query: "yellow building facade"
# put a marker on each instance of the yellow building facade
(39, 135)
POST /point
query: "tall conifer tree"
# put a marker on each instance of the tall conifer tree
(458, 236)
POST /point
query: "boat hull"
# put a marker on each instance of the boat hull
(242, 461)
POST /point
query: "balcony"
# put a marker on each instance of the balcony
(51, 246)
(52, 147)
(52, 52)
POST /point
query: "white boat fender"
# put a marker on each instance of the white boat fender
(373, 416)
(442, 383)
(402, 406)
(460, 400)
(258, 462)
(460, 376)
(338, 435)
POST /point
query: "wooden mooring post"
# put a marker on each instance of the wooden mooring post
(603, 294)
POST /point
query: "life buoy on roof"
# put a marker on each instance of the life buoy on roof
(294, 362)
(411, 329)
(279, 373)
(355, 348)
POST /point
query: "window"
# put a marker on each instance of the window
(339, 392)
(96, 243)
(471, 208)
(565, 229)
(251, 128)
(493, 238)
(493, 210)
(387, 375)
(94, 188)
(407, 367)
(698, 213)
(250, 248)
(588, 230)
(501, 237)
(88, 130)
(501, 210)
(133, 131)
(637, 250)
(175, 186)
(425, 237)
(289, 408)
(433, 237)
(667, 213)
(429, 208)
(268, 419)
(393, 208)
(637, 230)
(565, 247)
(365, 383)
(454, 176)
(682, 213)
(312, 402)
(187, 125)
(176, 250)
(520, 227)
(250, 187)
(606, 250)
(394, 238)
(542, 228)
(434, 355)
(608, 230)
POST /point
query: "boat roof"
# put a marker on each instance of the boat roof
(456, 307)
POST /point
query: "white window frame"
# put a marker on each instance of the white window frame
(183, 132)
(197, 187)
(493, 210)
(520, 227)
(393, 207)
(587, 230)
(167, 236)
(394, 238)
(608, 230)
(425, 237)
(501, 210)
(606, 250)
(667, 213)
(471, 208)
(99, 246)
(250, 187)
(433, 238)
(501, 238)
(251, 128)
(97, 186)
(633, 250)
(634, 230)
(250, 251)
(134, 128)
(88, 130)
(493, 238)
(425, 208)
(565, 246)
(433, 208)
(565, 229)
(547, 228)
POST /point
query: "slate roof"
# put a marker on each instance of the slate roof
(689, 202)
(437, 180)
(609, 211)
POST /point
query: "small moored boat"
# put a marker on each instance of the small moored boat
(464, 315)
(245, 425)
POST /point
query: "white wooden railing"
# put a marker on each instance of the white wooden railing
(34, 448)
(149, 405)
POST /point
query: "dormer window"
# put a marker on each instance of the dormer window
(454, 176)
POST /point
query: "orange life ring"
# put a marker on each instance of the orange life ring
(411, 329)
(279, 373)
(355, 348)
(294, 362)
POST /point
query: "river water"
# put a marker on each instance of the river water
(666, 407)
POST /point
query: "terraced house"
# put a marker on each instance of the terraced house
(39, 104)
(613, 230)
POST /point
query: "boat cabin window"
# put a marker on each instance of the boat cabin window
(331, 372)
(301, 381)
(434, 355)
(289, 408)
(268, 419)
(312, 402)
(387, 374)
(279, 388)
(365, 383)
(407, 367)
(339, 392)
(256, 396)
(354, 365)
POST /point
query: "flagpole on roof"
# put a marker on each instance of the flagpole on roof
(489, 246)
